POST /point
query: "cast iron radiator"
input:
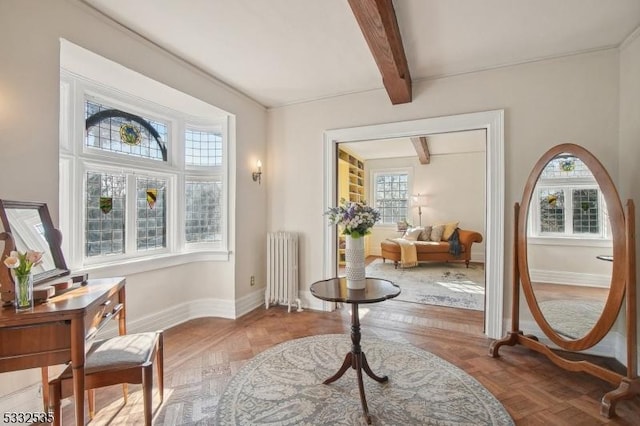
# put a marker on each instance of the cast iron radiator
(282, 270)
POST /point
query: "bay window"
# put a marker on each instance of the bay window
(139, 181)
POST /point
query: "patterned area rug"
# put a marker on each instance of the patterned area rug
(434, 283)
(572, 318)
(283, 386)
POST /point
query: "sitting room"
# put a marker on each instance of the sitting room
(166, 173)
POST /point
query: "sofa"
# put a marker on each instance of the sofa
(435, 251)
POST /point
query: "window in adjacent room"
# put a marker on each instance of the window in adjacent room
(391, 195)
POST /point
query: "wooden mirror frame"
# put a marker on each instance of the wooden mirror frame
(623, 281)
(617, 220)
(54, 239)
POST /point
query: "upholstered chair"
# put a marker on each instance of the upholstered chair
(123, 359)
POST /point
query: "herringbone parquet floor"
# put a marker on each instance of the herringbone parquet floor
(203, 354)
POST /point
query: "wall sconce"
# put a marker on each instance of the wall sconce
(257, 175)
(419, 201)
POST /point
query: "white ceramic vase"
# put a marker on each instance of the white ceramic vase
(355, 266)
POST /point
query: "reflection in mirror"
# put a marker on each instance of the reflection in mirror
(28, 234)
(568, 232)
(30, 227)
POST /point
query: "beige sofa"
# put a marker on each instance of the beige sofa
(434, 251)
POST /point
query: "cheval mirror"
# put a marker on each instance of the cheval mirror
(574, 255)
(27, 225)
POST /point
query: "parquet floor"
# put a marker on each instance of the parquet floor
(533, 390)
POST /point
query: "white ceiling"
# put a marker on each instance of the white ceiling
(280, 52)
(438, 144)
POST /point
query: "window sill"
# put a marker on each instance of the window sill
(575, 242)
(136, 266)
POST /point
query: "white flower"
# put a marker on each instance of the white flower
(12, 262)
(33, 256)
(21, 263)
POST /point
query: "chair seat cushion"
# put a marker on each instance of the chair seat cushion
(118, 352)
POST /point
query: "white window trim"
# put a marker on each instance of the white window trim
(373, 173)
(76, 159)
(568, 237)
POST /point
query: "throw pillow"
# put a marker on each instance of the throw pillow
(426, 234)
(448, 230)
(436, 233)
(412, 234)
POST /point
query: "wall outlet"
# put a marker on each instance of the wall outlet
(253, 280)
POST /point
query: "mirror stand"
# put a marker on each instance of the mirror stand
(629, 383)
(7, 286)
(27, 225)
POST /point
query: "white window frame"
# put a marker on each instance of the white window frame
(76, 159)
(568, 237)
(374, 173)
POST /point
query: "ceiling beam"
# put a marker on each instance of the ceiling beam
(378, 23)
(420, 144)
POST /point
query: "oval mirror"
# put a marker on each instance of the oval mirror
(571, 247)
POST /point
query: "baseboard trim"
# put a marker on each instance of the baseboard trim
(570, 278)
(177, 314)
(250, 302)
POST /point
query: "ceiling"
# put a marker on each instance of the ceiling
(438, 144)
(282, 52)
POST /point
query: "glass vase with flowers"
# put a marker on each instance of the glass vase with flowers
(20, 264)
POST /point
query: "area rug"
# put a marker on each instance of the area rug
(283, 386)
(572, 318)
(435, 283)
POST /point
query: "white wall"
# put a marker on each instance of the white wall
(455, 189)
(572, 99)
(29, 108)
(569, 264)
(629, 186)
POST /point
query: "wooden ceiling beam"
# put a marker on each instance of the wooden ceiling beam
(378, 23)
(420, 144)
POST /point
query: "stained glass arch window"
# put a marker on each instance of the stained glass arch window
(113, 130)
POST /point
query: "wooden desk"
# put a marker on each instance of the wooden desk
(55, 332)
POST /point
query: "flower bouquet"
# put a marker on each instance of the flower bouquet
(20, 264)
(355, 219)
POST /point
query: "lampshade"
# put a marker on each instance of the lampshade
(418, 200)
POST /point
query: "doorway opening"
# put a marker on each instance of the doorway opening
(493, 123)
(416, 184)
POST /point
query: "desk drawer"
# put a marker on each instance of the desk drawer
(36, 338)
(102, 315)
(34, 345)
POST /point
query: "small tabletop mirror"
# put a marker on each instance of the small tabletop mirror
(28, 226)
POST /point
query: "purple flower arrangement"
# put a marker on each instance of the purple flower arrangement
(355, 219)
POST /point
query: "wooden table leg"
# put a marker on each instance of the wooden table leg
(122, 330)
(77, 365)
(348, 362)
(357, 360)
(363, 398)
(44, 373)
(367, 369)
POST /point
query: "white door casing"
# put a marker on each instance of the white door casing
(493, 123)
